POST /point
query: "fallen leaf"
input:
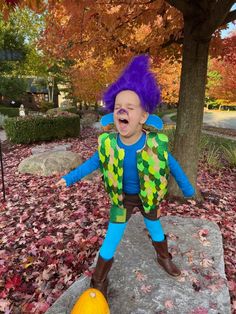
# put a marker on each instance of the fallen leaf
(4, 305)
(13, 282)
(200, 310)
(206, 262)
(169, 304)
(140, 276)
(146, 289)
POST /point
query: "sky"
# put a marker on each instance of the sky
(232, 26)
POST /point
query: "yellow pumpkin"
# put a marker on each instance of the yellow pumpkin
(91, 301)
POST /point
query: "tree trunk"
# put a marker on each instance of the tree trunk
(191, 108)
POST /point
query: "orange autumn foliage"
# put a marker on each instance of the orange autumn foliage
(92, 33)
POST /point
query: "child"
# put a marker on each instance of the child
(135, 165)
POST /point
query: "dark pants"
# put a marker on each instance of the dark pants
(133, 201)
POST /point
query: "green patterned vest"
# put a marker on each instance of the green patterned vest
(153, 170)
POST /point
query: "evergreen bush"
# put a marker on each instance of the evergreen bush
(10, 112)
(44, 106)
(55, 111)
(30, 129)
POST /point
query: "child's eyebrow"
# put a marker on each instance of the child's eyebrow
(127, 104)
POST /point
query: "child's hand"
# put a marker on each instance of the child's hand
(61, 183)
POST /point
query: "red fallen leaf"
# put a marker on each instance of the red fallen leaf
(93, 239)
(234, 305)
(232, 285)
(146, 289)
(3, 294)
(41, 306)
(88, 273)
(3, 269)
(69, 258)
(203, 232)
(200, 310)
(13, 282)
(46, 241)
(140, 276)
(28, 308)
(3, 206)
(169, 304)
(4, 305)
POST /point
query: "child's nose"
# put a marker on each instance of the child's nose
(122, 110)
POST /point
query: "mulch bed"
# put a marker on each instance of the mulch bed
(222, 131)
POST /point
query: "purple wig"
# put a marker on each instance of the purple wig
(138, 78)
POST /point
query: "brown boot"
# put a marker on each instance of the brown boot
(99, 279)
(164, 258)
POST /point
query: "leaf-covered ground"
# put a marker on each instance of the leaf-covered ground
(48, 237)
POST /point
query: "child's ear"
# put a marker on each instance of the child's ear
(144, 117)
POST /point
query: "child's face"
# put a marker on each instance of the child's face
(129, 116)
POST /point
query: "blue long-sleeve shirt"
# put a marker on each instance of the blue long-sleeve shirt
(131, 183)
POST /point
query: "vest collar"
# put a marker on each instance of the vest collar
(146, 133)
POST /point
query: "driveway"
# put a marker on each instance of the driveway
(220, 119)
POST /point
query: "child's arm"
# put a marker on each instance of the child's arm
(180, 177)
(82, 170)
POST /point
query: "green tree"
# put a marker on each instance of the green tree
(12, 87)
(20, 33)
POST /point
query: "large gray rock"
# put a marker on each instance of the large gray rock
(50, 163)
(139, 286)
(47, 148)
(88, 119)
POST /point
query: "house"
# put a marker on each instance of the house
(38, 91)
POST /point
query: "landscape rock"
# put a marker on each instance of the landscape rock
(88, 119)
(138, 285)
(50, 163)
(46, 148)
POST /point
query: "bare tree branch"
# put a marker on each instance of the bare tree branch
(173, 40)
(230, 17)
(217, 15)
(182, 5)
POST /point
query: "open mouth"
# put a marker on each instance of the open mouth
(123, 121)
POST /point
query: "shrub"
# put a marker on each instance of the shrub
(55, 111)
(229, 153)
(44, 106)
(10, 112)
(204, 142)
(29, 129)
(213, 157)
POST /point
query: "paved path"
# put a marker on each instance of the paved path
(167, 120)
(220, 119)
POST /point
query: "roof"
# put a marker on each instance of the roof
(38, 85)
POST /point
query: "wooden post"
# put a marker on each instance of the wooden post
(3, 186)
